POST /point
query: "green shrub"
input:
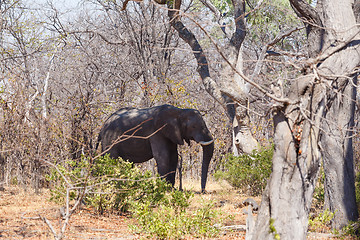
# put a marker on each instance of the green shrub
(117, 185)
(111, 184)
(357, 188)
(352, 229)
(321, 222)
(319, 191)
(247, 172)
(173, 220)
(273, 230)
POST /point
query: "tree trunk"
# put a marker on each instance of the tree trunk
(287, 198)
(342, 70)
(337, 151)
(324, 113)
(243, 140)
(227, 90)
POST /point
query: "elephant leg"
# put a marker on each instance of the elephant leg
(173, 163)
(165, 154)
(163, 169)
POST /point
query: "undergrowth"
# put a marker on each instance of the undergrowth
(321, 222)
(173, 220)
(116, 185)
(248, 172)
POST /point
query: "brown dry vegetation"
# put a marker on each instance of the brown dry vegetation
(21, 213)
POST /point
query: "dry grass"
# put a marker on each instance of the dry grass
(20, 213)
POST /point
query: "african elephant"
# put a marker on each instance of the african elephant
(141, 134)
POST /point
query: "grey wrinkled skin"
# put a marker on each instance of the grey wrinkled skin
(141, 134)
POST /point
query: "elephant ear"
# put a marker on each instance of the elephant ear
(169, 123)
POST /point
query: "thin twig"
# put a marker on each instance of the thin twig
(125, 137)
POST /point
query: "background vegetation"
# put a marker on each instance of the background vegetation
(62, 73)
(248, 173)
(61, 78)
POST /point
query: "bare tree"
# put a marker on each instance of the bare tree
(229, 89)
(22, 83)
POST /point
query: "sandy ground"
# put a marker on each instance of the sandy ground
(22, 215)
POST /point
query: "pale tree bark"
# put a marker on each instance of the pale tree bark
(336, 139)
(229, 90)
(287, 198)
(46, 86)
(321, 122)
(337, 150)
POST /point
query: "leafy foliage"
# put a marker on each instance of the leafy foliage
(173, 220)
(113, 184)
(273, 229)
(357, 188)
(225, 7)
(352, 229)
(274, 15)
(117, 185)
(319, 191)
(247, 172)
(322, 221)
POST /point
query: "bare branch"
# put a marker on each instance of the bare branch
(48, 223)
(101, 36)
(58, 170)
(332, 50)
(212, 8)
(240, 27)
(278, 38)
(305, 11)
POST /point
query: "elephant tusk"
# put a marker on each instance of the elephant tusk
(206, 143)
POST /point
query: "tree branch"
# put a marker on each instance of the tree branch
(246, 79)
(267, 46)
(240, 27)
(212, 8)
(203, 67)
(332, 50)
(306, 11)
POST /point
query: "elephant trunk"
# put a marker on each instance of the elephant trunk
(208, 151)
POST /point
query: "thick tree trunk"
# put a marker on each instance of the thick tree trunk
(336, 140)
(283, 200)
(243, 140)
(287, 198)
(341, 70)
(325, 113)
(337, 150)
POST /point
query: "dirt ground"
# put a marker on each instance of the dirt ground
(22, 216)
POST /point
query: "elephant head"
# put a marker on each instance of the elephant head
(187, 124)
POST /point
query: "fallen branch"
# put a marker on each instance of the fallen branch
(48, 223)
(241, 228)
